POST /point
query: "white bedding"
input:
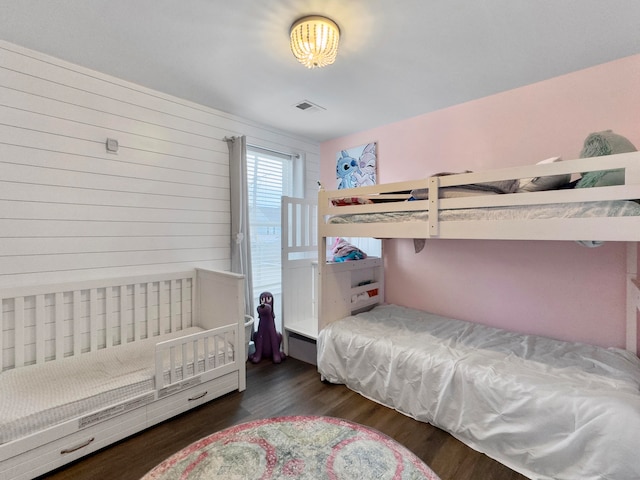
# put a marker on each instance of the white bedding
(546, 408)
(42, 395)
(569, 210)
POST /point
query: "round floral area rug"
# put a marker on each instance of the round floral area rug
(300, 447)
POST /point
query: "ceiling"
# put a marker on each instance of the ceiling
(397, 59)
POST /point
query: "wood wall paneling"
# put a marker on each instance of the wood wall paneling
(71, 210)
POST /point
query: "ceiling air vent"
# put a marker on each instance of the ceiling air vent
(307, 106)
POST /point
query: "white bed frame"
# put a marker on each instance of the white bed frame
(605, 229)
(46, 323)
(626, 229)
(299, 239)
(299, 223)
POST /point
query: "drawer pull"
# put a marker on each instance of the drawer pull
(198, 397)
(77, 447)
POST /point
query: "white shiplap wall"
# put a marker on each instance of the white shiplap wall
(70, 210)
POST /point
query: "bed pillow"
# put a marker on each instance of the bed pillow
(550, 182)
(485, 188)
(600, 144)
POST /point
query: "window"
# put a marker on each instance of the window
(269, 177)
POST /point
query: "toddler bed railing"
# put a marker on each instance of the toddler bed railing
(47, 323)
(200, 353)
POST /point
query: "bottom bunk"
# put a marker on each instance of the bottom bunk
(90, 363)
(545, 408)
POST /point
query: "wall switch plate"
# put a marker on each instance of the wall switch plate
(112, 145)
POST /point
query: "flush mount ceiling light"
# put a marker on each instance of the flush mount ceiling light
(314, 41)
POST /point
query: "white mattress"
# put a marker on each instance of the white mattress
(43, 395)
(546, 408)
(569, 210)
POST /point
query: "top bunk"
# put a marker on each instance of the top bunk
(546, 201)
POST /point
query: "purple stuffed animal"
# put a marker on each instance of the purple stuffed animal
(267, 340)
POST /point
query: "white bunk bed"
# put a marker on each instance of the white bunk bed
(547, 409)
(87, 364)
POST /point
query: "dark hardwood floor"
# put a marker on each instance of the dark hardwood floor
(290, 388)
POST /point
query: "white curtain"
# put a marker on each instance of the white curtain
(240, 238)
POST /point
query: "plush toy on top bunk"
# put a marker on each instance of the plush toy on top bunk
(267, 339)
(599, 144)
(344, 251)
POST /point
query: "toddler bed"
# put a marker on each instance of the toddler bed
(546, 408)
(87, 364)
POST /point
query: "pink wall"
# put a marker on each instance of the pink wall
(559, 289)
